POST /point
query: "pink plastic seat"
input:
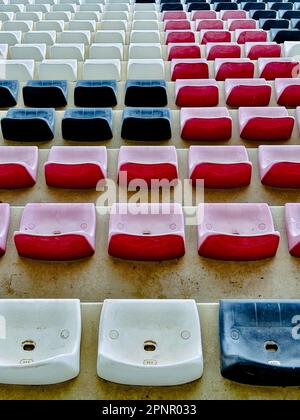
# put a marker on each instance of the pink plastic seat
(273, 68)
(189, 68)
(148, 163)
(255, 50)
(18, 166)
(146, 232)
(57, 232)
(74, 167)
(220, 166)
(203, 14)
(265, 123)
(214, 35)
(250, 35)
(177, 24)
(205, 124)
(4, 226)
(292, 225)
(234, 24)
(237, 232)
(179, 36)
(233, 68)
(287, 92)
(193, 93)
(183, 50)
(174, 15)
(222, 50)
(279, 166)
(209, 24)
(233, 14)
(247, 92)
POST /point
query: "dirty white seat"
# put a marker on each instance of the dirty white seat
(31, 355)
(150, 342)
(65, 16)
(146, 25)
(143, 37)
(110, 37)
(145, 69)
(68, 51)
(64, 69)
(82, 25)
(114, 25)
(106, 51)
(75, 37)
(33, 16)
(50, 25)
(291, 48)
(36, 52)
(10, 37)
(17, 69)
(87, 15)
(115, 15)
(145, 15)
(17, 25)
(40, 37)
(144, 51)
(102, 69)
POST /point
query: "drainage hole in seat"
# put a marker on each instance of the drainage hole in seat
(271, 346)
(28, 345)
(150, 345)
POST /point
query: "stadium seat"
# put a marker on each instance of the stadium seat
(4, 226)
(39, 37)
(291, 48)
(183, 50)
(67, 51)
(45, 93)
(196, 93)
(234, 24)
(120, 25)
(287, 92)
(102, 69)
(9, 90)
(36, 52)
(75, 37)
(292, 219)
(146, 93)
(180, 24)
(62, 69)
(21, 70)
(222, 50)
(146, 25)
(282, 35)
(247, 92)
(202, 24)
(203, 14)
(82, 25)
(256, 50)
(145, 69)
(233, 68)
(267, 24)
(10, 37)
(144, 51)
(273, 68)
(250, 35)
(106, 51)
(214, 35)
(152, 37)
(95, 93)
(233, 14)
(193, 68)
(174, 15)
(50, 25)
(114, 36)
(179, 36)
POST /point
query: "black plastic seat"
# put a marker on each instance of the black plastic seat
(25, 124)
(198, 6)
(144, 124)
(289, 14)
(171, 6)
(9, 90)
(281, 35)
(146, 93)
(92, 124)
(243, 1)
(96, 93)
(263, 14)
(169, 1)
(281, 6)
(225, 6)
(195, 1)
(260, 341)
(45, 93)
(267, 24)
(253, 6)
(145, 1)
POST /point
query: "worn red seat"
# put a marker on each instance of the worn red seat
(233, 68)
(265, 123)
(183, 50)
(205, 124)
(180, 36)
(250, 35)
(4, 226)
(222, 50)
(279, 166)
(236, 232)
(174, 15)
(247, 92)
(203, 14)
(287, 92)
(273, 68)
(220, 166)
(195, 93)
(234, 24)
(255, 50)
(192, 68)
(177, 24)
(233, 14)
(209, 24)
(214, 35)
(292, 224)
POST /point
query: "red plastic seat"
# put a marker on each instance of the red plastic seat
(179, 36)
(183, 50)
(222, 50)
(214, 35)
(177, 24)
(151, 164)
(195, 93)
(292, 224)
(233, 14)
(233, 68)
(247, 92)
(265, 123)
(146, 232)
(220, 166)
(4, 226)
(209, 24)
(205, 124)
(287, 92)
(236, 232)
(273, 68)
(174, 15)
(255, 50)
(250, 35)
(279, 166)
(203, 14)
(193, 68)
(234, 24)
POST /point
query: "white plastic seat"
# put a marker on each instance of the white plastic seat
(17, 69)
(3, 51)
(82, 25)
(40, 37)
(14, 8)
(68, 51)
(145, 15)
(114, 25)
(86, 7)
(58, 69)
(65, 16)
(115, 15)
(145, 69)
(50, 25)
(33, 16)
(291, 48)
(115, 37)
(143, 37)
(43, 8)
(10, 37)
(117, 7)
(64, 8)
(85, 15)
(102, 69)
(75, 37)
(17, 25)
(144, 7)
(144, 51)
(36, 52)
(4, 16)
(146, 25)
(106, 51)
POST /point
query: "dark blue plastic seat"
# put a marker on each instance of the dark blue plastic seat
(267, 24)
(144, 124)
(198, 6)
(195, 1)
(253, 6)
(295, 23)
(9, 90)
(289, 14)
(263, 14)
(145, 1)
(87, 124)
(171, 6)
(144, 93)
(45, 93)
(260, 341)
(281, 35)
(225, 6)
(169, 1)
(249, 1)
(25, 124)
(96, 93)
(281, 6)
